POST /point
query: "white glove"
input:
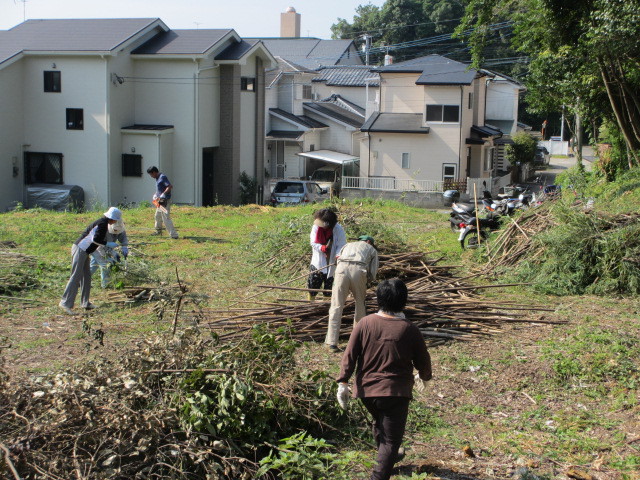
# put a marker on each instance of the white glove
(343, 395)
(419, 384)
(155, 197)
(162, 195)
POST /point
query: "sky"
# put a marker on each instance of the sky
(249, 18)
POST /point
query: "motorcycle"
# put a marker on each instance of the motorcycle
(467, 227)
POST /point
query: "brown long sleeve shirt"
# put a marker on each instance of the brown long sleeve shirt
(383, 352)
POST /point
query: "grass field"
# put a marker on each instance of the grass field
(536, 401)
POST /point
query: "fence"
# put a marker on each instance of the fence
(392, 184)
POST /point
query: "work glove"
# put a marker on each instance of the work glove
(125, 251)
(419, 384)
(343, 395)
(155, 197)
(163, 196)
(324, 248)
(111, 245)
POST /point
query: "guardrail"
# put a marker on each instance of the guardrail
(392, 184)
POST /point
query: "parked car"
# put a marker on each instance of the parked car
(327, 177)
(542, 155)
(297, 192)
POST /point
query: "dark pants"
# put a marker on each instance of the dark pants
(389, 420)
(317, 279)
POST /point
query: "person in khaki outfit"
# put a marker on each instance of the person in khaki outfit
(357, 264)
(163, 197)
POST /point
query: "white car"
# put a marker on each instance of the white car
(297, 192)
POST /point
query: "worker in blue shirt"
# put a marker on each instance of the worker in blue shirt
(162, 201)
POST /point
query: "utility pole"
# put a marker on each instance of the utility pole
(367, 47)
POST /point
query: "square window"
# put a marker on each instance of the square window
(52, 81)
(434, 113)
(470, 100)
(405, 160)
(42, 167)
(248, 84)
(75, 119)
(451, 113)
(306, 92)
(131, 165)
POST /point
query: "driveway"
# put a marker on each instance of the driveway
(558, 165)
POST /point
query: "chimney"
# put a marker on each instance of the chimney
(290, 23)
(388, 59)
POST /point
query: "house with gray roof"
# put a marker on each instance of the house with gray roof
(94, 102)
(430, 130)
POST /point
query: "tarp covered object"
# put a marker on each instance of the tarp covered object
(55, 197)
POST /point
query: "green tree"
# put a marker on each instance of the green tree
(585, 54)
(523, 149)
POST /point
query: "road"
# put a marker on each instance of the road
(558, 165)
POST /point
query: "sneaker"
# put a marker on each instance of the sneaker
(400, 455)
(335, 349)
(66, 309)
(90, 306)
(176, 237)
(156, 233)
(312, 297)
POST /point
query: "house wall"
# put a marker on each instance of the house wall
(140, 189)
(337, 137)
(399, 94)
(84, 85)
(502, 102)
(357, 95)
(426, 156)
(248, 113)
(11, 136)
(160, 99)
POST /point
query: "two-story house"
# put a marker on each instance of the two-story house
(430, 126)
(95, 102)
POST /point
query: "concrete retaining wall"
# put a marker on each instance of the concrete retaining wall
(413, 199)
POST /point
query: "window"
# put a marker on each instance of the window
(405, 160)
(449, 172)
(248, 84)
(312, 147)
(470, 100)
(75, 119)
(306, 92)
(131, 165)
(42, 167)
(443, 113)
(52, 82)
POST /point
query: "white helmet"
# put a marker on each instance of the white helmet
(116, 228)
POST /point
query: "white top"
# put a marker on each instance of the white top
(318, 258)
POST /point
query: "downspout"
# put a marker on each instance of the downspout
(460, 123)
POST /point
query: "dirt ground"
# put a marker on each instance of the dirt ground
(488, 413)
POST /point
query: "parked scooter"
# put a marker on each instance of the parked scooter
(468, 228)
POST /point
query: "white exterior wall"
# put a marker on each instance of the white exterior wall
(502, 102)
(400, 94)
(84, 85)
(357, 95)
(11, 137)
(337, 137)
(172, 102)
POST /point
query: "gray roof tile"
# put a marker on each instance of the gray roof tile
(301, 120)
(307, 52)
(395, 123)
(175, 42)
(434, 70)
(348, 76)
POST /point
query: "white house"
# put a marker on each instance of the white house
(95, 102)
(430, 126)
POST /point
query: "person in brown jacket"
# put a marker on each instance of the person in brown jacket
(383, 350)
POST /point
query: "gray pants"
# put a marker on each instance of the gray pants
(165, 218)
(80, 278)
(349, 277)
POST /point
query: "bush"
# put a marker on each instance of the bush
(523, 149)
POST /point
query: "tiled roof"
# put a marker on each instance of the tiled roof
(182, 42)
(348, 76)
(338, 109)
(434, 70)
(284, 134)
(308, 52)
(301, 120)
(71, 35)
(237, 50)
(395, 123)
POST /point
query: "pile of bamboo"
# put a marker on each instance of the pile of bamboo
(515, 241)
(445, 307)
